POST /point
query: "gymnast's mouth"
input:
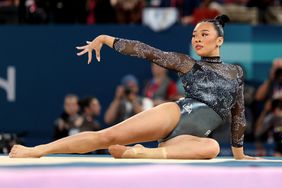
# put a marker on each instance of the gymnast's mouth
(198, 47)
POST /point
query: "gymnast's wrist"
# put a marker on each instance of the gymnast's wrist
(41, 150)
(102, 38)
(238, 153)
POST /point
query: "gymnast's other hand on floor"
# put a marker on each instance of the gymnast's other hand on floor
(247, 157)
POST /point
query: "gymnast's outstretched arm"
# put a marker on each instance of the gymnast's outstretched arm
(170, 60)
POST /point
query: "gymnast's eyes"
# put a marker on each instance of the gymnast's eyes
(205, 34)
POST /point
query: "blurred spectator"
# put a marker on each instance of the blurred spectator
(33, 11)
(160, 88)
(69, 119)
(128, 11)
(91, 109)
(238, 11)
(237, 2)
(127, 102)
(100, 11)
(70, 122)
(185, 8)
(9, 11)
(206, 10)
(7, 140)
(160, 19)
(262, 6)
(272, 87)
(270, 90)
(52, 11)
(270, 125)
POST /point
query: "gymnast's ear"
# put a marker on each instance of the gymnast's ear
(219, 41)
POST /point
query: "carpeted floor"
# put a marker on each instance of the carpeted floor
(105, 171)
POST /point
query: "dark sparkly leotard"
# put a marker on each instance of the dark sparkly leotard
(213, 89)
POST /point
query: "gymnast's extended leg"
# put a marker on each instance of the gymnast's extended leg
(149, 125)
(180, 147)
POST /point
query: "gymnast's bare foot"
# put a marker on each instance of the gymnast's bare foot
(19, 151)
(120, 151)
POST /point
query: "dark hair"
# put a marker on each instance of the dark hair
(276, 104)
(85, 102)
(278, 73)
(218, 23)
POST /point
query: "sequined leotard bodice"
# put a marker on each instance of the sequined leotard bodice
(208, 80)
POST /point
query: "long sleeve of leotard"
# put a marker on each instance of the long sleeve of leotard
(238, 123)
(170, 60)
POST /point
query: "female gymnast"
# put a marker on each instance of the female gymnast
(214, 95)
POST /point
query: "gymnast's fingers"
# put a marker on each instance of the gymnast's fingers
(81, 47)
(246, 157)
(82, 52)
(89, 56)
(98, 57)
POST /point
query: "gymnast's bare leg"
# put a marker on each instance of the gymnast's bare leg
(149, 125)
(180, 147)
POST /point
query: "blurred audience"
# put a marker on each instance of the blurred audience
(263, 9)
(9, 11)
(160, 87)
(208, 9)
(269, 127)
(185, 8)
(100, 12)
(69, 119)
(126, 102)
(72, 122)
(272, 87)
(8, 140)
(128, 11)
(90, 110)
(268, 94)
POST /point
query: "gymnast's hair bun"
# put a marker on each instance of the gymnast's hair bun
(222, 19)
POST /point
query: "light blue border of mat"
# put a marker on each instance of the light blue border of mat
(235, 163)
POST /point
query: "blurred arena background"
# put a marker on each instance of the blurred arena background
(39, 66)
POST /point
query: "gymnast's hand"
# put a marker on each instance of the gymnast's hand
(96, 45)
(238, 154)
(247, 157)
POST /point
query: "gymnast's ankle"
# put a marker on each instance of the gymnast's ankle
(40, 150)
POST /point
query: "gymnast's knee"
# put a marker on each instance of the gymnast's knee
(213, 148)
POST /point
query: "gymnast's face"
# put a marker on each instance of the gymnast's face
(205, 40)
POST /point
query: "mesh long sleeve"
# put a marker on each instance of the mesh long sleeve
(170, 60)
(238, 124)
